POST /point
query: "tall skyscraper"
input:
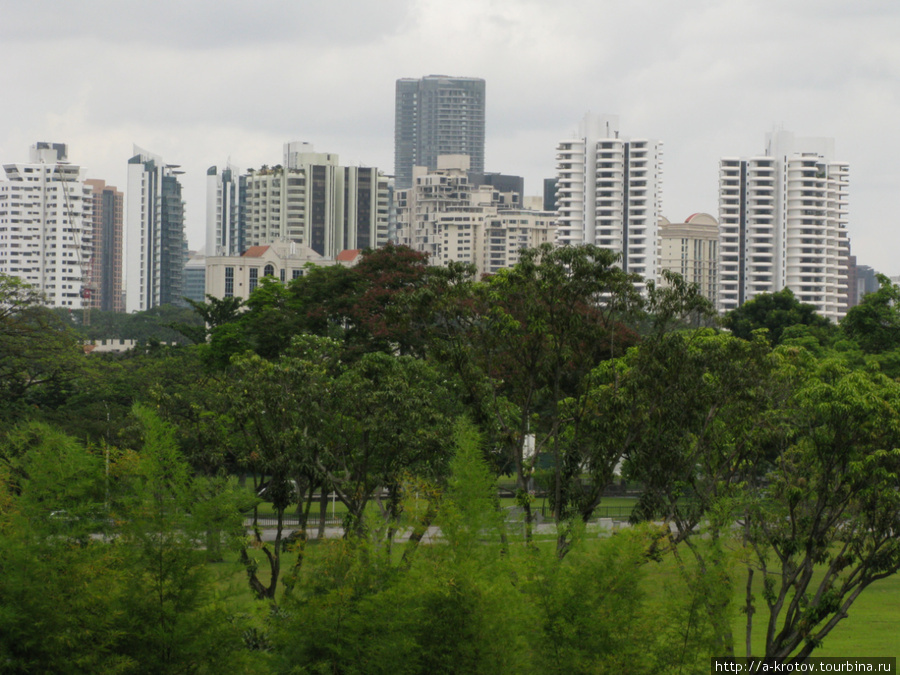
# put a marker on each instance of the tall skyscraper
(155, 246)
(783, 224)
(106, 267)
(437, 115)
(226, 211)
(46, 227)
(312, 200)
(608, 192)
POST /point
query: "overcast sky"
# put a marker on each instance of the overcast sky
(200, 83)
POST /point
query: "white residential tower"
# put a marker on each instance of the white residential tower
(608, 192)
(46, 226)
(783, 224)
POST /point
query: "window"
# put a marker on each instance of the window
(269, 271)
(254, 279)
(229, 282)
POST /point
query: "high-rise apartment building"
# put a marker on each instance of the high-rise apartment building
(608, 192)
(437, 115)
(106, 261)
(226, 211)
(312, 200)
(155, 245)
(446, 216)
(46, 227)
(783, 224)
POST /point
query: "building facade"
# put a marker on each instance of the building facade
(155, 245)
(194, 278)
(226, 211)
(106, 268)
(437, 115)
(783, 224)
(313, 201)
(608, 193)
(450, 219)
(46, 226)
(691, 249)
(238, 276)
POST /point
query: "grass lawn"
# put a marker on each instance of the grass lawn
(873, 627)
(871, 630)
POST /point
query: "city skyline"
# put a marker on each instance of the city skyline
(707, 79)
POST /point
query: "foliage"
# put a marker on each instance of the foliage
(279, 408)
(780, 463)
(450, 608)
(214, 312)
(775, 312)
(825, 512)
(523, 342)
(155, 325)
(364, 307)
(38, 352)
(875, 322)
(171, 621)
(102, 573)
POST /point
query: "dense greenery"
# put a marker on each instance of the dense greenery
(768, 457)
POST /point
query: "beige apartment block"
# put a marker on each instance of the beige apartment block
(691, 249)
(446, 217)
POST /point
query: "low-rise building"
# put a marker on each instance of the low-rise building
(238, 276)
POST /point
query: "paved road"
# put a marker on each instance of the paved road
(603, 527)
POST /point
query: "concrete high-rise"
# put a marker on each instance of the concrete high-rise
(106, 267)
(608, 192)
(226, 211)
(46, 226)
(155, 246)
(783, 224)
(437, 115)
(312, 200)
(451, 219)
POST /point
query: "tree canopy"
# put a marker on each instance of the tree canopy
(764, 465)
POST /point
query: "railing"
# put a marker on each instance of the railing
(291, 521)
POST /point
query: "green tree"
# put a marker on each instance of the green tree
(822, 522)
(214, 312)
(444, 609)
(59, 588)
(39, 353)
(389, 418)
(280, 409)
(775, 312)
(170, 621)
(688, 412)
(524, 342)
(875, 322)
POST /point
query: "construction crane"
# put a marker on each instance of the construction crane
(87, 276)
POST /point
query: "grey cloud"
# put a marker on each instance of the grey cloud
(203, 24)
